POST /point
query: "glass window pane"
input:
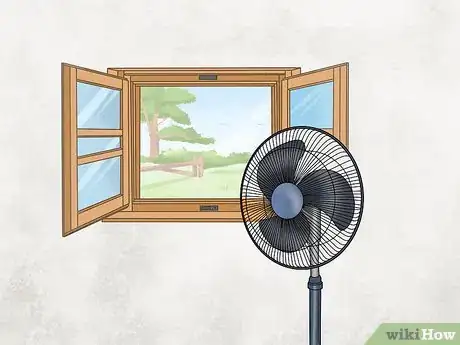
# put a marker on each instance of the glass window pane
(313, 106)
(98, 181)
(86, 146)
(97, 107)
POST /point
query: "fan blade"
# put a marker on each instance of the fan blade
(279, 166)
(286, 235)
(330, 192)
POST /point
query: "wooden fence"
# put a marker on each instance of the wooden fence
(197, 165)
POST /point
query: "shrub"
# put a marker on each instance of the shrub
(211, 158)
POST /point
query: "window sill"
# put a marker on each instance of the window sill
(174, 217)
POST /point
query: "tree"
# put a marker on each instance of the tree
(159, 104)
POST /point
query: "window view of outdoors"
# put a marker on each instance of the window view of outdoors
(196, 141)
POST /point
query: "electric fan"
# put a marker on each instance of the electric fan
(301, 201)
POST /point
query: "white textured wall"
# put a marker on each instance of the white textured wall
(179, 284)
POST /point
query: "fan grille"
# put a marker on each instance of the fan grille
(327, 239)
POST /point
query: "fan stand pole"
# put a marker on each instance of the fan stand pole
(315, 284)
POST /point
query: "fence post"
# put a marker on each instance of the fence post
(194, 168)
(200, 166)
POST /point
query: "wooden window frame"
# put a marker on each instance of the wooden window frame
(73, 219)
(181, 209)
(134, 209)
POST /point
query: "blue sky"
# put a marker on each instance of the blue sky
(238, 118)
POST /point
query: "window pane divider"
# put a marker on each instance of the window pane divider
(99, 133)
(94, 157)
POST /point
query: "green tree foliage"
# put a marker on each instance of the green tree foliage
(186, 135)
(159, 104)
(163, 103)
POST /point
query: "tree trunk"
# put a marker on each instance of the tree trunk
(154, 139)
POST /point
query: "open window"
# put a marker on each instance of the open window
(318, 99)
(95, 172)
(183, 136)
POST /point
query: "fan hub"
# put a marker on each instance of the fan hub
(287, 200)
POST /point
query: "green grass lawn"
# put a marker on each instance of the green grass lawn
(223, 182)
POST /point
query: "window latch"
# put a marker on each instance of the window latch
(207, 76)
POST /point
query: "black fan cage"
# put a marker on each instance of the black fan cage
(318, 236)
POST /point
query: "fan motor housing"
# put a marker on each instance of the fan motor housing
(287, 200)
